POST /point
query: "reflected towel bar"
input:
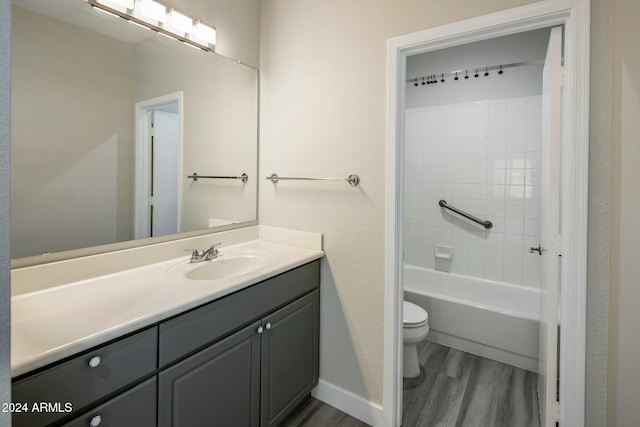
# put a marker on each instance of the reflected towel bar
(244, 178)
(485, 224)
(352, 179)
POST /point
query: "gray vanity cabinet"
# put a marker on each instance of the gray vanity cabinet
(133, 408)
(79, 382)
(289, 358)
(244, 360)
(219, 386)
(252, 378)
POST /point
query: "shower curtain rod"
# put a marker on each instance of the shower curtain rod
(468, 72)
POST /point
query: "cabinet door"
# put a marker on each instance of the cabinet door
(289, 357)
(219, 386)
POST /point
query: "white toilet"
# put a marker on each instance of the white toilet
(415, 326)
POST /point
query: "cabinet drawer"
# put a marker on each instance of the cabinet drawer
(133, 408)
(76, 382)
(194, 330)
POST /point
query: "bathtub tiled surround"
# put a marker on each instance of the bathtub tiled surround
(484, 158)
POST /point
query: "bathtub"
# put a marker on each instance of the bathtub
(492, 319)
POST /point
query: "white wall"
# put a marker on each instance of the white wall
(624, 344)
(5, 307)
(323, 101)
(71, 159)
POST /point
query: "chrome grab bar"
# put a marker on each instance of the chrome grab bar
(352, 179)
(244, 177)
(485, 224)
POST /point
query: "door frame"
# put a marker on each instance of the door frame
(575, 16)
(142, 171)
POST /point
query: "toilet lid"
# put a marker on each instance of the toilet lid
(412, 314)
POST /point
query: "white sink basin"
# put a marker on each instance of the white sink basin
(224, 266)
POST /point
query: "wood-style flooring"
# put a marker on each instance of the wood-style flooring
(455, 389)
(314, 413)
(461, 389)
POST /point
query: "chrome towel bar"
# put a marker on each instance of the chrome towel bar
(244, 178)
(485, 224)
(352, 179)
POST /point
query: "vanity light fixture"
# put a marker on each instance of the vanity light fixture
(179, 22)
(120, 5)
(151, 11)
(204, 33)
(154, 15)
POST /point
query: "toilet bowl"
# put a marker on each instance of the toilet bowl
(415, 326)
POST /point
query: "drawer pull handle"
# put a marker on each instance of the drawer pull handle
(268, 326)
(94, 362)
(95, 421)
(260, 329)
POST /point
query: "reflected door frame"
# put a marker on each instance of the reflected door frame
(143, 159)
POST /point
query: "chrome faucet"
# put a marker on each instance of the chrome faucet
(205, 255)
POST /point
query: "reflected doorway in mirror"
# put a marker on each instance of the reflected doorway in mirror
(158, 166)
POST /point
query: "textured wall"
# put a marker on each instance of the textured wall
(5, 319)
(598, 239)
(624, 344)
(323, 113)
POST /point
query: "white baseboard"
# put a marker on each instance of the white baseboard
(349, 403)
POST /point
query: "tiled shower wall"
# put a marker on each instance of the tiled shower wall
(484, 158)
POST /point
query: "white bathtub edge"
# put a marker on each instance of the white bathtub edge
(479, 349)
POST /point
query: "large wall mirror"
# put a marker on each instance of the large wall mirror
(108, 122)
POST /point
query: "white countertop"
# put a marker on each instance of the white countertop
(51, 324)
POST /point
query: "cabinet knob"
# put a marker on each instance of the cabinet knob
(95, 421)
(268, 325)
(260, 329)
(94, 362)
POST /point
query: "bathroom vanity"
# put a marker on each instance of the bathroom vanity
(247, 356)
